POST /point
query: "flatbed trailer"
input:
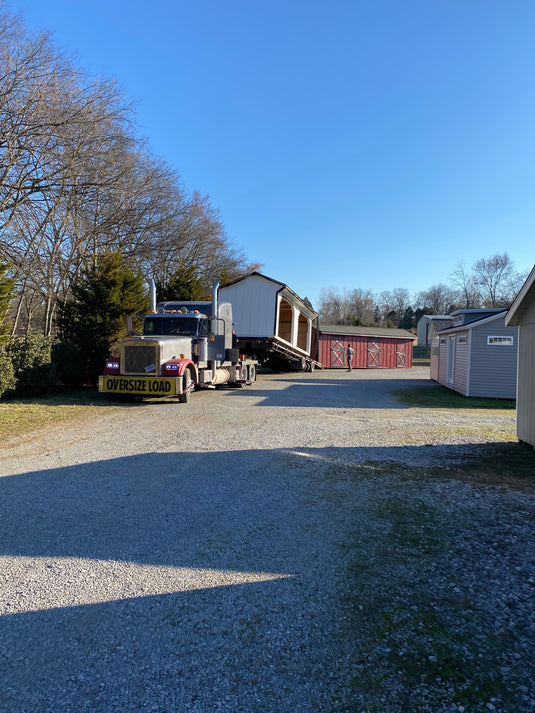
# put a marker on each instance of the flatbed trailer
(275, 354)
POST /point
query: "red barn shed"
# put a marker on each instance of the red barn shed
(374, 347)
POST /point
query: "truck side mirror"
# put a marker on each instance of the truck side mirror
(130, 326)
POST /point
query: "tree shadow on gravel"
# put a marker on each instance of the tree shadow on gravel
(108, 548)
(166, 508)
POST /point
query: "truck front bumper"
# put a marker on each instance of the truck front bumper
(140, 385)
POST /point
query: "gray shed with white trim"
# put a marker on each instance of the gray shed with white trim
(477, 357)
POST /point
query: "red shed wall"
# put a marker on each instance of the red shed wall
(370, 352)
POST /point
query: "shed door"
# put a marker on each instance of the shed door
(374, 354)
(401, 355)
(451, 360)
(337, 352)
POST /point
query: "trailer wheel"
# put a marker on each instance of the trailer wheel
(187, 387)
(252, 375)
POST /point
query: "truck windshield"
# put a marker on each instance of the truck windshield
(170, 325)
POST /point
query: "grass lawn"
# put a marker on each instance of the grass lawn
(437, 397)
(23, 415)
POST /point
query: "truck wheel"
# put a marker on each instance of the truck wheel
(252, 375)
(187, 387)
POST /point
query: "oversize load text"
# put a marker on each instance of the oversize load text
(137, 386)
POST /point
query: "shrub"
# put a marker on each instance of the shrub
(69, 363)
(35, 375)
(7, 373)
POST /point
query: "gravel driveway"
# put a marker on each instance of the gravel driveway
(306, 545)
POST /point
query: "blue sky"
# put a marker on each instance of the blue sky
(349, 143)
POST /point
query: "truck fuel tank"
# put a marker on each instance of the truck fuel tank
(202, 348)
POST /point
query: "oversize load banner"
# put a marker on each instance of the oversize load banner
(143, 385)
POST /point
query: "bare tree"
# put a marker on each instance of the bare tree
(333, 306)
(439, 299)
(77, 181)
(392, 304)
(361, 306)
(497, 280)
(469, 296)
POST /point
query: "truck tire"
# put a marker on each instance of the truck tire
(187, 387)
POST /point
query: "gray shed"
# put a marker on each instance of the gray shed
(522, 315)
(477, 356)
(427, 323)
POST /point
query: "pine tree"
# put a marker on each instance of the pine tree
(184, 284)
(95, 318)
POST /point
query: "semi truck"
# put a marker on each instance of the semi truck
(184, 346)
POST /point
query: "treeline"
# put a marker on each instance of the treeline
(77, 181)
(490, 282)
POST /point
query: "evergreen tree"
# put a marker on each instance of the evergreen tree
(95, 318)
(7, 286)
(407, 321)
(184, 284)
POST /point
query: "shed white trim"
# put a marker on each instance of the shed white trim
(518, 307)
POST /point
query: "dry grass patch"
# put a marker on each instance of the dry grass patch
(19, 417)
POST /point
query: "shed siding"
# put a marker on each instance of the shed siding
(525, 405)
(391, 353)
(254, 306)
(435, 357)
(460, 364)
(493, 367)
(460, 381)
(443, 361)
(422, 332)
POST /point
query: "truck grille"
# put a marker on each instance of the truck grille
(137, 358)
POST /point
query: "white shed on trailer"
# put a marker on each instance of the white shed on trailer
(270, 319)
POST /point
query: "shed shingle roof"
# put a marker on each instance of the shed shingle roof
(366, 331)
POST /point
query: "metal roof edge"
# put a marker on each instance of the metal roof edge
(474, 323)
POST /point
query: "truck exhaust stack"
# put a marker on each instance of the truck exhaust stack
(152, 294)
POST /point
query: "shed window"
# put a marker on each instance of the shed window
(503, 341)
(443, 340)
(461, 340)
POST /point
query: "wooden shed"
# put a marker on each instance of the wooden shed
(374, 347)
(476, 357)
(522, 315)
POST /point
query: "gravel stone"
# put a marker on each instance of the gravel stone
(305, 545)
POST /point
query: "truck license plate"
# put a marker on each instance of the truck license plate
(141, 385)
